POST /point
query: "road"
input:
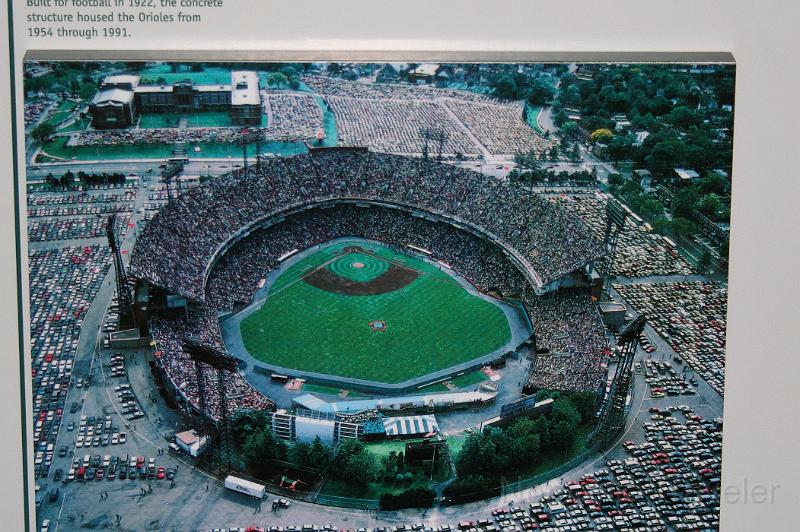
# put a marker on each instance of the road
(195, 167)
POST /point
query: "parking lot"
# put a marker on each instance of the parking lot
(101, 431)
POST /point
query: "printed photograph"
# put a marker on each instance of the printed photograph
(376, 297)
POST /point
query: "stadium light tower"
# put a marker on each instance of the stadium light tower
(615, 222)
(169, 171)
(433, 135)
(126, 317)
(426, 135)
(612, 415)
(224, 364)
(248, 136)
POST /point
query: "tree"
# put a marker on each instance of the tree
(540, 93)
(86, 91)
(569, 129)
(410, 498)
(601, 135)
(261, 449)
(529, 160)
(709, 204)
(506, 87)
(277, 79)
(360, 469)
(713, 182)
(585, 403)
(682, 227)
(615, 180)
(353, 463)
(43, 132)
(684, 203)
(565, 419)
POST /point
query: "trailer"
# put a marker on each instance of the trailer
(245, 486)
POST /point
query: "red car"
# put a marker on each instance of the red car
(160, 474)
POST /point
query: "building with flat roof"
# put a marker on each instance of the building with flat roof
(191, 442)
(245, 98)
(122, 98)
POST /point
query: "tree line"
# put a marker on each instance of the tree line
(686, 115)
(495, 453)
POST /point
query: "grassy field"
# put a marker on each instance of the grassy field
(57, 148)
(63, 111)
(431, 324)
(532, 117)
(209, 119)
(209, 75)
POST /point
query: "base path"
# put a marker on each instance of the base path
(394, 278)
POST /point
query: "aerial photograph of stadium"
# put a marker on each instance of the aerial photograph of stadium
(374, 296)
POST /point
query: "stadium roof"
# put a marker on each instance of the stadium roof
(121, 79)
(410, 425)
(314, 403)
(112, 96)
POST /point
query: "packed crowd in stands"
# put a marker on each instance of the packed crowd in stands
(59, 228)
(174, 251)
(396, 126)
(169, 330)
(235, 278)
(56, 312)
(569, 326)
(500, 128)
(293, 116)
(691, 317)
(639, 252)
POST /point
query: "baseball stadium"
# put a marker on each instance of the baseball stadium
(348, 290)
(368, 272)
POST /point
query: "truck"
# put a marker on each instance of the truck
(245, 486)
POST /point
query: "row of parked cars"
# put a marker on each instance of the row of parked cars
(62, 284)
(97, 432)
(129, 404)
(112, 467)
(664, 380)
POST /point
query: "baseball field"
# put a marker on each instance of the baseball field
(361, 310)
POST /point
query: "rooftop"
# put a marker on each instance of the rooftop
(244, 88)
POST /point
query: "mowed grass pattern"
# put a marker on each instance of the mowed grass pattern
(431, 324)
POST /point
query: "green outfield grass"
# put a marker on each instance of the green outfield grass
(431, 324)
